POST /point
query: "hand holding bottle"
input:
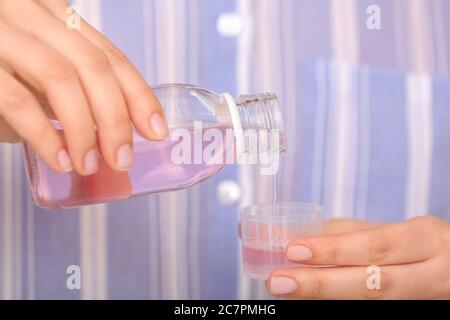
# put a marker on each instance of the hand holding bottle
(92, 88)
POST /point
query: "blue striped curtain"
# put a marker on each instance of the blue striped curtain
(365, 113)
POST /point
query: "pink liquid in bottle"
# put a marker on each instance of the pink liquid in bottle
(153, 171)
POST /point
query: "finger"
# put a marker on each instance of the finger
(422, 280)
(345, 225)
(39, 95)
(144, 108)
(53, 4)
(5, 67)
(409, 241)
(53, 74)
(22, 111)
(99, 82)
(336, 226)
(255, 229)
(7, 133)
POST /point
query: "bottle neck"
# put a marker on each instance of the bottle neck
(263, 113)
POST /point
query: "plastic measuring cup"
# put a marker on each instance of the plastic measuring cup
(267, 230)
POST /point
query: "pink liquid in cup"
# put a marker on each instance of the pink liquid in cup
(259, 263)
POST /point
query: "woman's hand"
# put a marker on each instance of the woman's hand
(87, 82)
(413, 259)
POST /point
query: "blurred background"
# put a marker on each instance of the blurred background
(366, 114)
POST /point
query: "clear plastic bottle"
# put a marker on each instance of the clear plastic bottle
(193, 152)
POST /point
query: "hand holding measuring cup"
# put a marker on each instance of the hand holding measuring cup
(404, 260)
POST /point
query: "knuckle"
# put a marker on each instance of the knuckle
(332, 253)
(445, 237)
(434, 228)
(431, 221)
(315, 287)
(117, 125)
(142, 102)
(78, 128)
(439, 227)
(44, 134)
(17, 99)
(96, 61)
(60, 70)
(142, 94)
(378, 247)
(116, 57)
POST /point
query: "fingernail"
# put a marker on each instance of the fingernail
(159, 125)
(298, 253)
(282, 285)
(64, 160)
(124, 157)
(91, 162)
